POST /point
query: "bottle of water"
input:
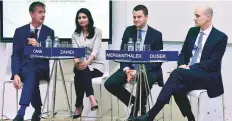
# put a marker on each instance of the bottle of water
(48, 42)
(56, 42)
(137, 45)
(130, 45)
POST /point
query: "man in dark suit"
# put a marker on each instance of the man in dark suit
(26, 69)
(199, 66)
(127, 72)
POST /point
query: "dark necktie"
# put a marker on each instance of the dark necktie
(36, 33)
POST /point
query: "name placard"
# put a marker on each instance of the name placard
(124, 55)
(141, 55)
(54, 52)
(37, 51)
(72, 52)
(160, 55)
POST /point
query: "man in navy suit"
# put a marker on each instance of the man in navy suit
(127, 72)
(199, 66)
(26, 69)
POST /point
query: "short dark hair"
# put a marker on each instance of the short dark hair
(141, 7)
(34, 4)
(90, 27)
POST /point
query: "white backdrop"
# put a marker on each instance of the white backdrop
(174, 18)
(60, 15)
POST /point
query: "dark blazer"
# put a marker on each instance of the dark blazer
(211, 57)
(154, 39)
(20, 41)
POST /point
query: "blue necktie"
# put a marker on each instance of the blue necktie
(198, 49)
(140, 34)
(138, 38)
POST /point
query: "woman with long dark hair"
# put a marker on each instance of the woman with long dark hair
(86, 35)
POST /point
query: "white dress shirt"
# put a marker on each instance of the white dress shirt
(205, 36)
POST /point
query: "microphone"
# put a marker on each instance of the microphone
(32, 33)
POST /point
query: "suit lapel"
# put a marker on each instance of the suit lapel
(134, 34)
(208, 42)
(146, 40)
(27, 35)
(193, 39)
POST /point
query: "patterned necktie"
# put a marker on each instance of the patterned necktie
(198, 49)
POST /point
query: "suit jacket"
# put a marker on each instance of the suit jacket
(154, 39)
(211, 57)
(20, 60)
(94, 47)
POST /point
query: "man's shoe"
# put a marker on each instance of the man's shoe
(191, 119)
(18, 118)
(143, 110)
(35, 117)
(144, 117)
(131, 118)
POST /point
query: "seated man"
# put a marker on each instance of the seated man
(26, 69)
(199, 66)
(127, 72)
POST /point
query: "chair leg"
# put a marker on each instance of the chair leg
(71, 100)
(48, 98)
(46, 101)
(111, 105)
(100, 109)
(17, 99)
(71, 96)
(118, 109)
(3, 97)
(198, 107)
(163, 114)
(170, 115)
(223, 108)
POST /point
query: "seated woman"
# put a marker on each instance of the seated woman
(86, 35)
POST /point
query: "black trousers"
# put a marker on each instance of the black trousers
(83, 83)
(115, 85)
(180, 82)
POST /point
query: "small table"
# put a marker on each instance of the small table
(140, 79)
(55, 65)
(56, 54)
